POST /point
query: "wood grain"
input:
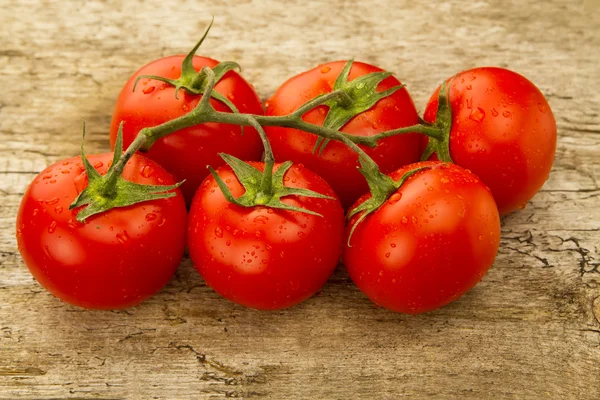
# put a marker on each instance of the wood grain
(530, 330)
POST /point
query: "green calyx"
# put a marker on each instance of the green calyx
(104, 192)
(381, 187)
(263, 188)
(359, 95)
(440, 144)
(193, 81)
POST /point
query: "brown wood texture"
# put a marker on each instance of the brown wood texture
(529, 330)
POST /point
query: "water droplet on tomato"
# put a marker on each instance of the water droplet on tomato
(469, 87)
(98, 164)
(325, 69)
(507, 114)
(541, 107)
(469, 103)
(261, 219)
(123, 237)
(147, 171)
(47, 176)
(151, 216)
(162, 221)
(64, 171)
(218, 232)
(494, 112)
(52, 227)
(374, 125)
(522, 206)
(228, 243)
(395, 198)
(387, 255)
(231, 96)
(73, 223)
(35, 212)
(477, 115)
(53, 181)
(185, 108)
(404, 220)
(58, 209)
(414, 219)
(301, 235)
(51, 201)
(148, 89)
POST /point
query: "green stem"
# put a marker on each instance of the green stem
(162, 130)
(429, 130)
(109, 185)
(286, 121)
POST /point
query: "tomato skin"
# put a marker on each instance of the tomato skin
(337, 165)
(432, 241)
(503, 130)
(261, 257)
(116, 259)
(187, 152)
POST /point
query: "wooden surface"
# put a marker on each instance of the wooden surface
(530, 330)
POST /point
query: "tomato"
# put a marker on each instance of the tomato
(261, 257)
(187, 152)
(503, 130)
(431, 242)
(337, 164)
(114, 260)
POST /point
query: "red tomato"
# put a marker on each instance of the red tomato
(116, 259)
(432, 241)
(338, 163)
(187, 152)
(262, 257)
(503, 130)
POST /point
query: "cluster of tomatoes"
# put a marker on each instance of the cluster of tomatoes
(432, 239)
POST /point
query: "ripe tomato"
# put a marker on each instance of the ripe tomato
(187, 152)
(503, 130)
(262, 257)
(338, 163)
(432, 241)
(116, 259)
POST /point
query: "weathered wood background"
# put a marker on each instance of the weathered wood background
(530, 330)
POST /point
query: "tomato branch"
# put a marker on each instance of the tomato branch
(263, 187)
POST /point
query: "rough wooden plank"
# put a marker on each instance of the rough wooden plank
(530, 330)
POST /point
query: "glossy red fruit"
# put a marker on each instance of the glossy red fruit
(187, 152)
(432, 241)
(338, 163)
(116, 259)
(262, 257)
(503, 130)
